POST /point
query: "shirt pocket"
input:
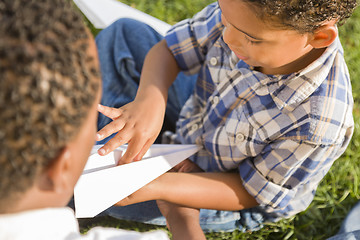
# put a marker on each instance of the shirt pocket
(242, 138)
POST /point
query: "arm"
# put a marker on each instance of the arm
(221, 191)
(139, 122)
(226, 191)
(158, 73)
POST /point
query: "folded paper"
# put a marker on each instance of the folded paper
(102, 13)
(103, 183)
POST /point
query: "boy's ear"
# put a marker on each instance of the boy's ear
(325, 35)
(54, 177)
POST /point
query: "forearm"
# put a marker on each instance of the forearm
(139, 122)
(159, 71)
(221, 191)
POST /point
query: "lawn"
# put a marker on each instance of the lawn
(337, 192)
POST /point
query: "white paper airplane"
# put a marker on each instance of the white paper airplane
(102, 13)
(103, 183)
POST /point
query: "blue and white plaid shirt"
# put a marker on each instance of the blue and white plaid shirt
(282, 133)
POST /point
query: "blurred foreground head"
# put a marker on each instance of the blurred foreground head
(49, 79)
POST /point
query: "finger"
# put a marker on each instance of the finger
(133, 149)
(118, 140)
(110, 112)
(113, 127)
(177, 167)
(172, 170)
(143, 150)
(189, 166)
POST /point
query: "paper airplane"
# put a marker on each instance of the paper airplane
(103, 183)
(102, 13)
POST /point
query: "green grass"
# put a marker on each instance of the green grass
(338, 191)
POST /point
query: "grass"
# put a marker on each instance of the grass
(338, 191)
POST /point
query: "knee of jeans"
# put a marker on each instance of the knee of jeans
(121, 25)
(128, 24)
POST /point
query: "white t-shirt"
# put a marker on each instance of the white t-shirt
(60, 223)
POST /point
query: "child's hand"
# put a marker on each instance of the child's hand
(186, 166)
(138, 123)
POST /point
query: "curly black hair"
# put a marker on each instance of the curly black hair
(48, 82)
(304, 16)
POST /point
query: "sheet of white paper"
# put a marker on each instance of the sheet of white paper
(103, 183)
(102, 13)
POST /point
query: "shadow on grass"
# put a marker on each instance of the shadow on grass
(86, 224)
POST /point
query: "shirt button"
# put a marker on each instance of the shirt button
(213, 61)
(194, 127)
(240, 137)
(215, 100)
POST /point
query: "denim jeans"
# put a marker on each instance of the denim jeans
(350, 228)
(122, 48)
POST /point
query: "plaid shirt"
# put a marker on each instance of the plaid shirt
(282, 133)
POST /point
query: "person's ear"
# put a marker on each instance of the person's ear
(55, 176)
(324, 36)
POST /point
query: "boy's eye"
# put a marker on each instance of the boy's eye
(252, 41)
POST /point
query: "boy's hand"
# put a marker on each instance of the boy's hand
(138, 123)
(186, 166)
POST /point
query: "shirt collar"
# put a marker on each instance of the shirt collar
(289, 91)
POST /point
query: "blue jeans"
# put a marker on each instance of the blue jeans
(350, 228)
(122, 48)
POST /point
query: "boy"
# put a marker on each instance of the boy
(49, 91)
(271, 107)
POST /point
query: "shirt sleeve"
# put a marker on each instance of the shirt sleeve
(286, 172)
(190, 39)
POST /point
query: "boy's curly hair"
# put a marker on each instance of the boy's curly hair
(305, 16)
(48, 82)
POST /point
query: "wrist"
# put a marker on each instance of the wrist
(149, 96)
(152, 91)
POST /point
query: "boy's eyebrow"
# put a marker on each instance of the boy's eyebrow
(256, 38)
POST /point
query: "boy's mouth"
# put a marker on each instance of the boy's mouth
(241, 57)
